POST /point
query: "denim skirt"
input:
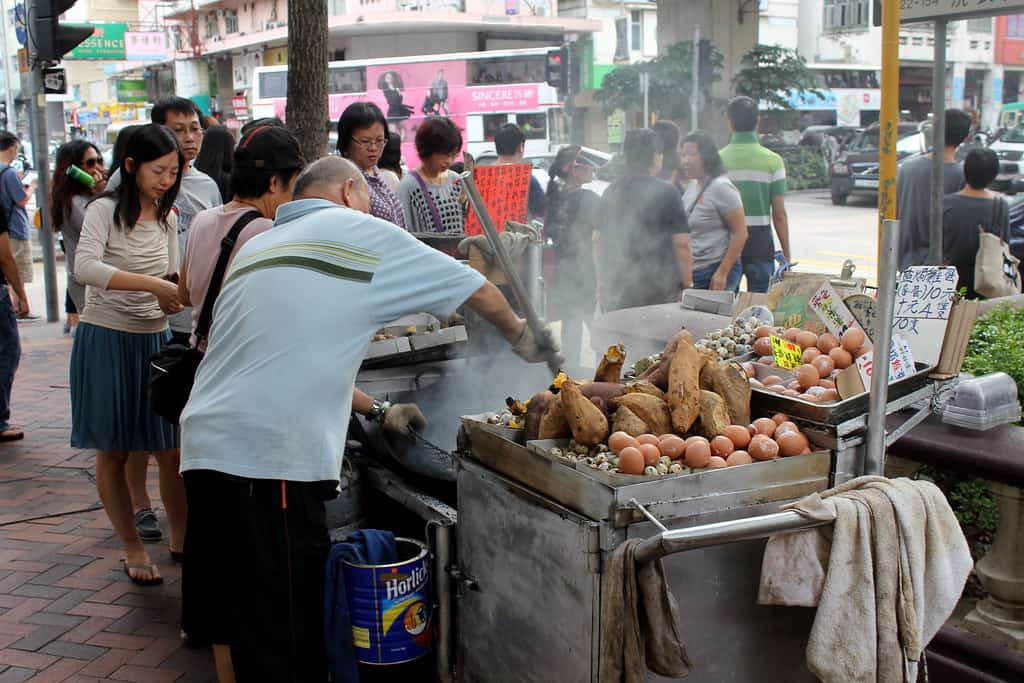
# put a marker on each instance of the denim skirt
(109, 407)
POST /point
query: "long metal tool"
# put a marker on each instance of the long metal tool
(886, 305)
(529, 312)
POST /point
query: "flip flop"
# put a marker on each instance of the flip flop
(11, 434)
(151, 568)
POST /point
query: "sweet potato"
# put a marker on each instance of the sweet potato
(588, 424)
(625, 420)
(535, 411)
(641, 386)
(553, 424)
(600, 403)
(606, 390)
(673, 342)
(651, 409)
(610, 367)
(730, 381)
(657, 374)
(684, 386)
(714, 415)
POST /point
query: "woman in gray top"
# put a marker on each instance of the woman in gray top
(68, 199)
(430, 194)
(718, 227)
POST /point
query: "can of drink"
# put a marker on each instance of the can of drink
(81, 176)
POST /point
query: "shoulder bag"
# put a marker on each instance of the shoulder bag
(996, 270)
(172, 370)
(431, 204)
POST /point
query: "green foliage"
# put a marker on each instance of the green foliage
(996, 345)
(805, 168)
(670, 89)
(770, 71)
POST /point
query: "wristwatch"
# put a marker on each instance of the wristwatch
(377, 411)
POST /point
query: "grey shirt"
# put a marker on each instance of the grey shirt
(709, 234)
(913, 205)
(71, 230)
(419, 217)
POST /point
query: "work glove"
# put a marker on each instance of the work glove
(402, 417)
(534, 349)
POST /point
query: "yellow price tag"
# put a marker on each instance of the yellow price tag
(787, 354)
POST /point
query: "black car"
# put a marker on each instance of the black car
(1016, 240)
(856, 169)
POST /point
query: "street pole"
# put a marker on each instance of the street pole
(695, 88)
(645, 87)
(938, 143)
(40, 146)
(8, 82)
(890, 114)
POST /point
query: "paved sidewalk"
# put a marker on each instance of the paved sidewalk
(67, 612)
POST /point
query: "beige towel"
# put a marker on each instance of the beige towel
(895, 567)
(639, 621)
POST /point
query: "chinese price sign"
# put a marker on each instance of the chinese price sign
(924, 296)
(504, 190)
(829, 307)
(786, 354)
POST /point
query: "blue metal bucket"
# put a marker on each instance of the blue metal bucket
(391, 606)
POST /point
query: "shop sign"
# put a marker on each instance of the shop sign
(787, 355)
(106, 42)
(924, 297)
(240, 105)
(132, 91)
(145, 45)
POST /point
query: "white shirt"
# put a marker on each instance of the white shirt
(299, 306)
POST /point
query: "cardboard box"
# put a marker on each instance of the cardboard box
(962, 315)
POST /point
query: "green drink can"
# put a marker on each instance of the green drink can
(81, 176)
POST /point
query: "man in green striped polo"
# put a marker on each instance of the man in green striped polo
(760, 176)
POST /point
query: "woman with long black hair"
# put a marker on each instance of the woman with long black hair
(128, 258)
(215, 158)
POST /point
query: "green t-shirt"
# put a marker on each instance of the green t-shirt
(760, 176)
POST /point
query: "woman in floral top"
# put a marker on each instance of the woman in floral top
(362, 134)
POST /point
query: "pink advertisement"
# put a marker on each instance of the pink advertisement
(409, 93)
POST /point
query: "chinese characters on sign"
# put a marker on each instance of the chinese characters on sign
(504, 190)
(787, 354)
(924, 296)
(829, 307)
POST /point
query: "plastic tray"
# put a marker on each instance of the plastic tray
(995, 391)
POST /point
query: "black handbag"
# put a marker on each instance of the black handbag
(172, 370)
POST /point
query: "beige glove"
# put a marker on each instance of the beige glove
(402, 417)
(537, 350)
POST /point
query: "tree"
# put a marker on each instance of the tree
(307, 75)
(772, 74)
(670, 88)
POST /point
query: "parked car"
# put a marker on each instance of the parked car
(542, 162)
(855, 172)
(1016, 202)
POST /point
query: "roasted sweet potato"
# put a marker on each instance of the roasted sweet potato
(730, 381)
(553, 424)
(673, 342)
(606, 390)
(610, 367)
(625, 420)
(642, 386)
(588, 424)
(651, 409)
(600, 403)
(714, 415)
(657, 374)
(684, 386)
(535, 411)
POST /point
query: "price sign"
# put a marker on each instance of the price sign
(787, 354)
(924, 297)
(829, 307)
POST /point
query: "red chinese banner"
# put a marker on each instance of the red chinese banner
(505, 191)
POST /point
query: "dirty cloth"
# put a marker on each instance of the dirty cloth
(515, 245)
(885, 576)
(639, 621)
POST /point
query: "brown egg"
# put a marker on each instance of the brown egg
(690, 439)
(765, 426)
(810, 398)
(715, 462)
(697, 452)
(738, 434)
(791, 393)
(777, 388)
(763, 346)
(806, 340)
(761, 447)
(862, 351)
(827, 383)
(791, 334)
(748, 368)
(853, 339)
(825, 366)
(807, 376)
(631, 461)
(827, 342)
(647, 438)
(779, 418)
(650, 452)
(738, 458)
(770, 380)
(841, 358)
(784, 428)
(764, 331)
(791, 443)
(766, 360)
(793, 385)
(620, 440)
(830, 396)
(810, 354)
(806, 451)
(672, 446)
(722, 446)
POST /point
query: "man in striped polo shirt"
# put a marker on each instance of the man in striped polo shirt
(760, 176)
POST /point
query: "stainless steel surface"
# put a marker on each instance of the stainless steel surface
(644, 329)
(535, 275)
(650, 518)
(718, 533)
(886, 302)
(529, 312)
(445, 606)
(938, 145)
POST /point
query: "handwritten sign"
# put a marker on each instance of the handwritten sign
(924, 296)
(787, 354)
(864, 310)
(829, 307)
(505, 190)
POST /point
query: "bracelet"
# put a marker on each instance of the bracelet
(377, 411)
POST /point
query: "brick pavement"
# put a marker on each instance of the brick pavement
(67, 612)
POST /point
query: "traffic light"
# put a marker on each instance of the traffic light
(52, 39)
(556, 69)
(3, 115)
(705, 69)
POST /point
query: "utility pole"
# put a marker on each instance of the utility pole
(8, 81)
(695, 81)
(645, 88)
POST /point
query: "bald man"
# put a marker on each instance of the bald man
(264, 430)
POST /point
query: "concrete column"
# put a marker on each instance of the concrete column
(1001, 615)
(956, 99)
(992, 96)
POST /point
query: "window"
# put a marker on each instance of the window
(1015, 26)
(273, 84)
(988, 45)
(979, 25)
(636, 31)
(917, 40)
(621, 48)
(506, 70)
(230, 21)
(534, 125)
(492, 122)
(211, 30)
(931, 42)
(343, 81)
(973, 44)
(846, 14)
(904, 40)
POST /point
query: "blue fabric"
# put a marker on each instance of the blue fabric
(702, 277)
(11, 192)
(759, 275)
(535, 199)
(10, 355)
(369, 546)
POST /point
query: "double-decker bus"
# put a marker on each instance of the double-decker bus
(480, 91)
(850, 95)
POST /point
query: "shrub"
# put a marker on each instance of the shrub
(995, 345)
(805, 168)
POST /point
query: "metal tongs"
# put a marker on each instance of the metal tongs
(554, 360)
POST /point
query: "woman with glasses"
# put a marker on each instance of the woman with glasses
(69, 195)
(362, 135)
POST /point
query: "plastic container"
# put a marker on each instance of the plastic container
(981, 403)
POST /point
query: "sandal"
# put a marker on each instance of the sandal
(11, 434)
(147, 526)
(156, 579)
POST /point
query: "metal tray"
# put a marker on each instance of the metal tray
(479, 421)
(422, 347)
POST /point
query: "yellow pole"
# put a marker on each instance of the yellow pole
(890, 113)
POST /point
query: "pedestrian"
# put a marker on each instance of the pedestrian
(215, 157)
(120, 144)
(263, 434)
(14, 196)
(642, 243)
(760, 176)
(362, 136)
(973, 207)
(668, 135)
(126, 257)
(510, 145)
(390, 163)
(714, 212)
(69, 195)
(572, 212)
(914, 190)
(430, 194)
(10, 341)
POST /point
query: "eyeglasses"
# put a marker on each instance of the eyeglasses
(374, 143)
(93, 163)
